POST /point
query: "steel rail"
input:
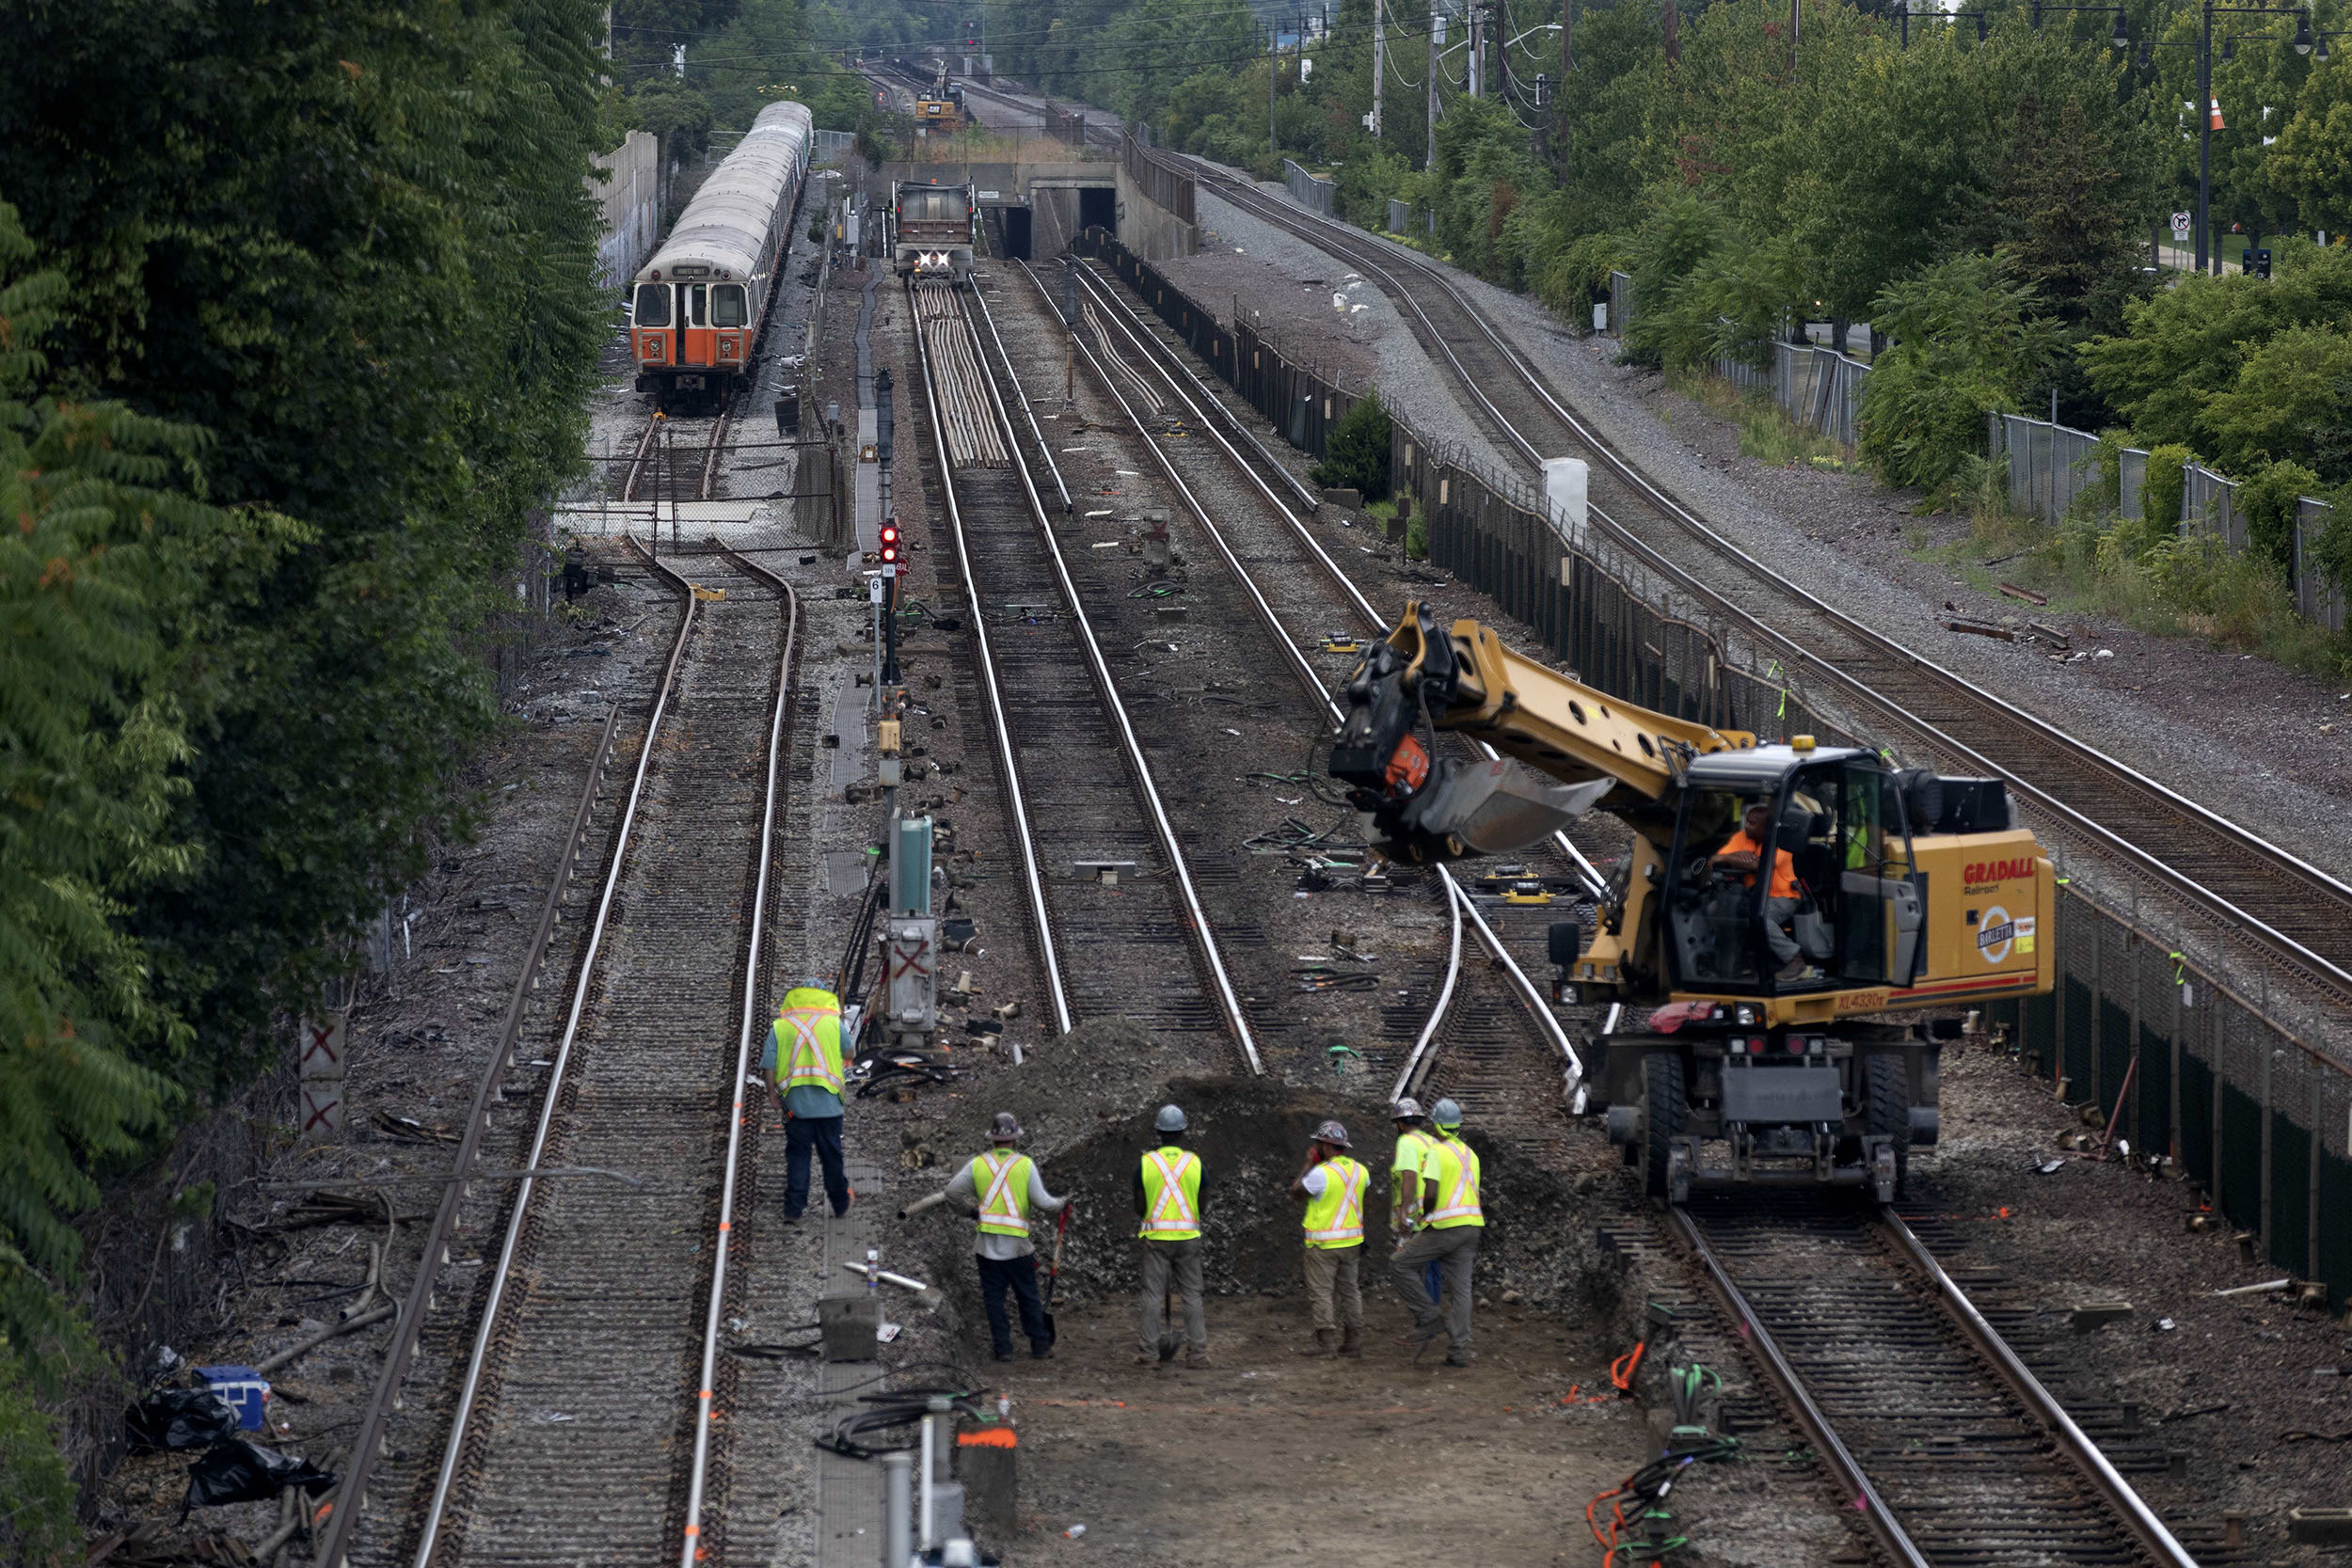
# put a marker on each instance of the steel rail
(1532, 998)
(437, 1509)
(1204, 930)
(722, 1243)
(1170, 366)
(1036, 432)
(1000, 726)
(2006, 1363)
(637, 461)
(2286, 948)
(1413, 1066)
(1849, 1472)
(1208, 411)
(716, 445)
(370, 1441)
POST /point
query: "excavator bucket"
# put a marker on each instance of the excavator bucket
(1488, 808)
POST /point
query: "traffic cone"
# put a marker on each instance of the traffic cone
(2213, 115)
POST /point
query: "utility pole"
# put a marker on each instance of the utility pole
(1273, 84)
(1503, 58)
(1567, 63)
(1379, 65)
(2204, 135)
(1437, 35)
(1477, 48)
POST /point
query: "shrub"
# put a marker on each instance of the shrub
(2268, 501)
(1963, 345)
(2162, 491)
(1356, 455)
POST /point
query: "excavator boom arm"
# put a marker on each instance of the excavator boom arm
(1420, 680)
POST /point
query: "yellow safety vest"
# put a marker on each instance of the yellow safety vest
(1002, 1179)
(1171, 1195)
(808, 1040)
(1336, 1217)
(1412, 1152)
(1456, 1175)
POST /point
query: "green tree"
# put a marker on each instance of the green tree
(102, 561)
(2311, 167)
(1359, 451)
(1967, 342)
(2184, 347)
(2288, 391)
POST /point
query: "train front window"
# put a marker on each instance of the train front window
(698, 304)
(1712, 911)
(726, 306)
(653, 304)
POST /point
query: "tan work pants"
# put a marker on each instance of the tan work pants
(1333, 1285)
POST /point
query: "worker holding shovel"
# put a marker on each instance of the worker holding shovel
(1168, 1185)
(1004, 1188)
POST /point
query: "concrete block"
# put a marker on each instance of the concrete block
(2320, 1527)
(2091, 1315)
(988, 1465)
(850, 1323)
(1346, 499)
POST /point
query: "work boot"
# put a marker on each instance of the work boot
(1198, 1359)
(1351, 1341)
(1326, 1341)
(1459, 1358)
(1043, 1352)
(1146, 1359)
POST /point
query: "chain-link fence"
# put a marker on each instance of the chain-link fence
(2051, 466)
(1818, 387)
(1308, 191)
(2178, 1049)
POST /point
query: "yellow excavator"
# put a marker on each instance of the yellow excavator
(1780, 910)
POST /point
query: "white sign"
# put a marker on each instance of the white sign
(991, 196)
(2180, 223)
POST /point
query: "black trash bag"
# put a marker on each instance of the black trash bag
(179, 1418)
(243, 1472)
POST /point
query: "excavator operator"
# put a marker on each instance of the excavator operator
(1742, 855)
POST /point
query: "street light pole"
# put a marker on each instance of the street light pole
(2204, 132)
(2301, 43)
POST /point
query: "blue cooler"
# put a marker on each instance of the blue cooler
(242, 1390)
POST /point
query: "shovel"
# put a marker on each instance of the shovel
(1053, 1276)
(1171, 1337)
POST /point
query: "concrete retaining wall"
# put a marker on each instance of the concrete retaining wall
(629, 202)
(1150, 230)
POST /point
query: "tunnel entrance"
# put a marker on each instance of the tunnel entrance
(1098, 207)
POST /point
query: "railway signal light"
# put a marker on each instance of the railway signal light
(890, 545)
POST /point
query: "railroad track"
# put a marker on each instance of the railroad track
(1907, 1391)
(1107, 873)
(655, 469)
(1953, 1450)
(2277, 908)
(1460, 1005)
(586, 1425)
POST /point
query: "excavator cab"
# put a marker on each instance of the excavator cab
(1790, 873)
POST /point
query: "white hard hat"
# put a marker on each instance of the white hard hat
(1408, 1109)
(1446, 1113)
(1170, 1120)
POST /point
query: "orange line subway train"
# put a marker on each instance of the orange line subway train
(699, 304)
